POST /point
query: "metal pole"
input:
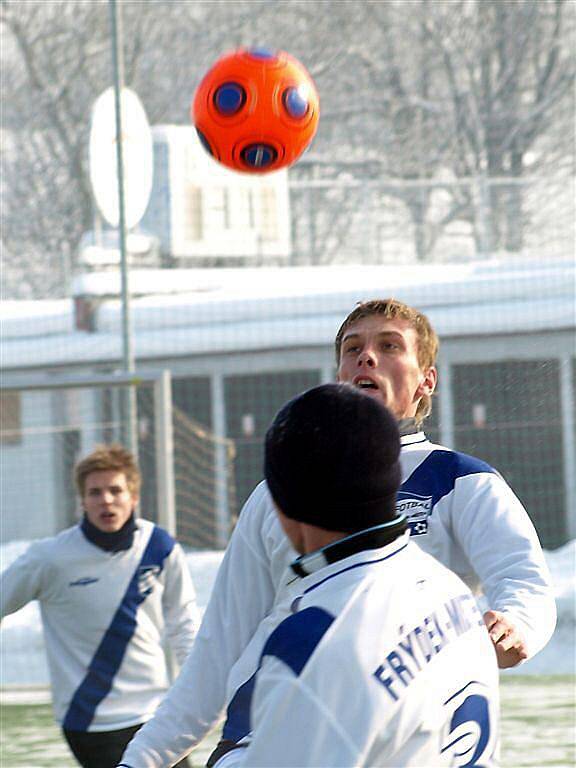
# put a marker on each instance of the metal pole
(164, 452)
(222, 517)
(568, 444)
(446, 403)
(129, 410)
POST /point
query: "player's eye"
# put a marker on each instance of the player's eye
(390, 345)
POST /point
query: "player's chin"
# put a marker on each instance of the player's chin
(374, 393)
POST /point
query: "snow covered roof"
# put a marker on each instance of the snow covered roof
(186, 312)
(22, 319)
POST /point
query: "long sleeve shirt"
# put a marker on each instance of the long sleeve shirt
(383, 660)
(105, 617)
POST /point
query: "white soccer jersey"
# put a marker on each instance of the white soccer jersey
(459, 509)
(104, 616)
(384, 660)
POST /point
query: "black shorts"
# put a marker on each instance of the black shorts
(102, 749)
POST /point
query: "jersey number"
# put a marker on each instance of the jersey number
(471, 736)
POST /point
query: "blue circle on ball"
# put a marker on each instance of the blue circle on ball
(294, 103)
(258, 155)
(262, 53)
(229, 98)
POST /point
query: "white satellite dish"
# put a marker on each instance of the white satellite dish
(137, 150)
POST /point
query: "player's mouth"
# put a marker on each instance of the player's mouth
(365, 383)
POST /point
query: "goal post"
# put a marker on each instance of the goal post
(160, 382)
(49, 422)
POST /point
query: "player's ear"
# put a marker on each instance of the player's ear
(428, 382)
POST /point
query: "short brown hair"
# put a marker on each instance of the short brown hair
(108, 457)
(391, 308)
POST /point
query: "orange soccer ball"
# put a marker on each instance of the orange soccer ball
(256, 110)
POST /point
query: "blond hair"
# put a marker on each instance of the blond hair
(427, 340)
(109, 457)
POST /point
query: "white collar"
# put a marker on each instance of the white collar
(415, 437)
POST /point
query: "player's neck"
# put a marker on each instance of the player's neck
(408, 426)
(316, 538)
(114, 541)
(371, 538)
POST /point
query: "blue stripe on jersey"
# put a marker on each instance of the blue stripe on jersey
(109, 655)
(293, 642)
(436, 476)
(295, 639)
(237, 723)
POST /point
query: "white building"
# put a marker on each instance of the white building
(239, 342)
(201, 210)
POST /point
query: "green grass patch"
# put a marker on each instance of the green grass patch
(537, 728)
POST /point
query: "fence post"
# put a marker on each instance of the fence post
(445, 402)
(568, 444)
(221, 461)
(164, 450)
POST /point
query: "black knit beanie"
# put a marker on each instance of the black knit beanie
(331, 459)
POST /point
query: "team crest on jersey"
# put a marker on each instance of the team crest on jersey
(417, 510)
(147, 575)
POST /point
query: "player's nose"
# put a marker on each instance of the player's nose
(366, 358)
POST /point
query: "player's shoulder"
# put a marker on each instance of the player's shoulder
(258, 505)
(434, 472)
(155, 536)
(52, 550)
(258, 525)
(454, 463)
(296, 638)
(261, 495)
(68, 539)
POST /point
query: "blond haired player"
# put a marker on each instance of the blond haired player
(110, 589)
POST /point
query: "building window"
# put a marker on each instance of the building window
(251, 403)
(10, 418)
(193, 214)
(518, 430)
(218, 201)
(269, 208)
(247, 213)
